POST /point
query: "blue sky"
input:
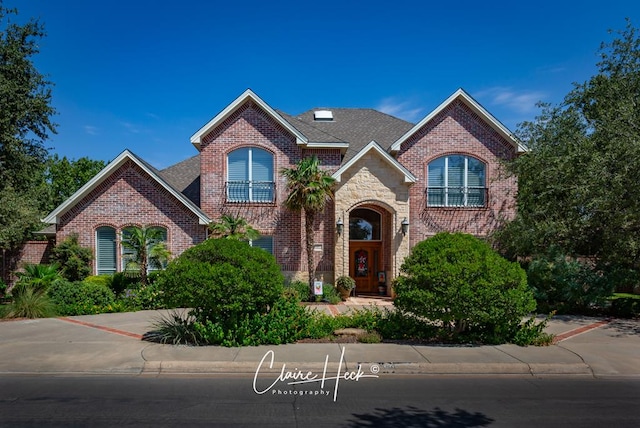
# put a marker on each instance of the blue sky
(147, 74)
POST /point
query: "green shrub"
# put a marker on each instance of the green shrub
(120, 282)
(175, 328)
(330, 294)
(99, 279)
(298, 290)
(397, 325)
(37, 276)
(532, 333)
(81, 298)
(566, 285)
(460, 281)
(285, 322)
(74, 260)
(625, 306)
(370, 337)
(222, 280)
(28, 302)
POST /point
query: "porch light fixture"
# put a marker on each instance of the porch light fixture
(339, 226)
(405, 226)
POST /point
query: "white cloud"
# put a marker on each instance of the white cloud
(91, 130)
(522, 102)
(130, 127)
(402, 109)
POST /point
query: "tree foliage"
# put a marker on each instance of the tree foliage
(310, 188)
(231, 227)
(25, 123)
(63, 177)
(148, 250)
(579, 187)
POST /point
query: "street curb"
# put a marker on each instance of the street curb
(159, 368)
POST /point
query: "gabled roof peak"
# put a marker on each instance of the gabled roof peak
(248, 95)
(475, 106)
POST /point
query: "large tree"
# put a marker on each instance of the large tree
(310, 188)
(25, 124)
(63, 177)
(579, 186)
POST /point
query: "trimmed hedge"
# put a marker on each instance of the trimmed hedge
(81, 298)
(461, 282)
(222, 280)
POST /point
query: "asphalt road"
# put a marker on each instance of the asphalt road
(417, 401)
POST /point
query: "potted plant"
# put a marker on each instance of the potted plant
(345, 284)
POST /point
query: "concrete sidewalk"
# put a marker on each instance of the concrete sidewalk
(111, 344)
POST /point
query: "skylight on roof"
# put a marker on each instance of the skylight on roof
(323, 115)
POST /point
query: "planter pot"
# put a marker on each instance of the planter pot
(344, 294)
(382, 290)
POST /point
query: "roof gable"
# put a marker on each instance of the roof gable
(113, 166)
(464, 97)
(408, 177)
(248, 95)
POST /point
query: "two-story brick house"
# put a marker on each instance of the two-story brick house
(397, 184)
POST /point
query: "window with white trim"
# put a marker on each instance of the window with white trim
(250, 175)
(456, 181)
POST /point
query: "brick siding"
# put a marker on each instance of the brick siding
(458, 130)
(130, 197)
(250, 126)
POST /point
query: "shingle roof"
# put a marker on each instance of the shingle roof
(185, 177)
(356, 126)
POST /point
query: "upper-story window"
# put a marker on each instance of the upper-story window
(456, 181)
(250, 175)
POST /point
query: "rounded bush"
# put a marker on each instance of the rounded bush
(222, 280)
(462, 282)
(81, 298)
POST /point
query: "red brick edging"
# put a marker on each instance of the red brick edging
(579, 330)
(103, 328)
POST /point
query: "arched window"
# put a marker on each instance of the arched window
(105, 250)
(456, 181)
(250, 175)
(364, 225)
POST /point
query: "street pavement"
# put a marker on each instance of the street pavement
(110, 344)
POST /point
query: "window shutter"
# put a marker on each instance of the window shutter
(105, 250)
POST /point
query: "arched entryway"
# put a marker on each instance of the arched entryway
(366, 251)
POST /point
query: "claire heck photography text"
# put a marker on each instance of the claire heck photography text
(284, 383)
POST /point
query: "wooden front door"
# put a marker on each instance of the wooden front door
(365, 261)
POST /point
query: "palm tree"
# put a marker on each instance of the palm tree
(38, 277)
(231, 227)
(147, 248)
(310, 188)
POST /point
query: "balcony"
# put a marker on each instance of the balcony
(262, 192)
(457, 197)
